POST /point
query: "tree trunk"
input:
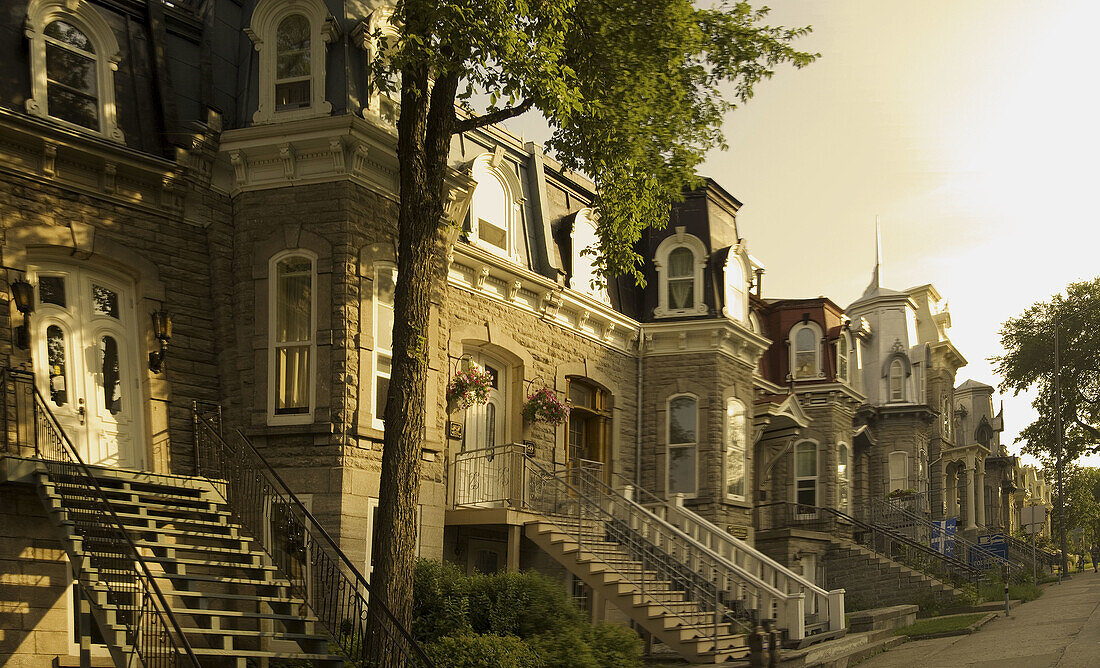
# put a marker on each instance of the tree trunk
(425, 126)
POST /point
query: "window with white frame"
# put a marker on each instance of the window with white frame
(946, 416)
(843, 350)
(293, 337)
(899, 471)
(735, 286)
(385, 278)
(379, 36)
(736, 437)
(896, 379)
(291, 39)
(586, 276)
(805, 473)
(805, 360)
(495, 208)
(74, 54)
(679, 261)
(843, 469)
(683, 418)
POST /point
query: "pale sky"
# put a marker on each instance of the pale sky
(967, 127)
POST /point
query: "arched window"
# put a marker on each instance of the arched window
(805, 473)
(291, 39)
(385, 278)
(843, 349)
(946, 417)
(588, 438)
(736, 438)
(293, 337)
(735, 287)
(74, 54)
(679, 261)
(843, 469)
(899, 471)
(292, 66)
(683, 416)
(378, 36)
(897, 381)
(586, 243)
(494, 210)
(805, 351)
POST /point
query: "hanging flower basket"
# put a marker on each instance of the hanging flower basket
(468, 388)
(543, 406)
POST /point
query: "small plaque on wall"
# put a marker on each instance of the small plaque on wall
(454, 430)
(738, 531)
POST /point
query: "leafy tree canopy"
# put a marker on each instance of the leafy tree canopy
(633, 91)
(1028, 364)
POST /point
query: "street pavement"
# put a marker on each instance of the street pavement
(1061, 628)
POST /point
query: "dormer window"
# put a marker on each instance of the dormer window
(735, 287)
(679, 261)
(495, 209)
(290, 38)
(843, 349)
(805, 352)
(897, 381)
(378, 36)
(586, 276)
(292, 77)
(74, 54)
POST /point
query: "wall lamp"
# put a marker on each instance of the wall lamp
(23, 294)
(162, 330)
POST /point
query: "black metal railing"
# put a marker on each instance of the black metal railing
(318, 570)
(111, 572)
(1023, 552)
(878, 538)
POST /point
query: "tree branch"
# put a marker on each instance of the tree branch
(494, 117)
(1092, 431)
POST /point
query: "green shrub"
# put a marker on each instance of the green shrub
(520, 604)
(481, 651)
(441, 600)
(615, 646)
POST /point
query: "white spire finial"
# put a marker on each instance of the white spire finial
(878, 252)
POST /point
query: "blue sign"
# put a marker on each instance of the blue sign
(943, 537)
(995, 544)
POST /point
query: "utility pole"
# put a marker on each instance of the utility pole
(1060, 463)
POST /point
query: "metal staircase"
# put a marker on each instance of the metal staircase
(228, 569)
(684, 593)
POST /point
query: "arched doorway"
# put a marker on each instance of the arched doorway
(85, 359)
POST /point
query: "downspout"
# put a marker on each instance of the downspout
(638, 413)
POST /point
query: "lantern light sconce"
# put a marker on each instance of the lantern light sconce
(162, 330)
(23, 294)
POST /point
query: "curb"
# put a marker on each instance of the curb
(958, 632)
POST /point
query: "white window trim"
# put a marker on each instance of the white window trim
(588, 217)
(322, 31)
(376, 420)
(844, 343)
(889, 381)
(380, 23)
(845, 480)
(492, 165)
(660, 261)
(890, 471)
(81, 14)
(725, 448)
(734, 261)
(792, 339)
(816, 477)
(272, 316)
(669, 445)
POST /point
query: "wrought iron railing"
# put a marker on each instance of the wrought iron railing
(489, 477)
(582, 506)
(875, 537)
(1021, 551)
(111, 573)
(921, 529)
(318, 570)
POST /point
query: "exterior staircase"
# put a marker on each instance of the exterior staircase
(696, 631)
(231, 602)
(872, 580)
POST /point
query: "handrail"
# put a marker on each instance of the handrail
(157, 642)
(326, 578)
(985, 559)
(652, 554)
(821, 596)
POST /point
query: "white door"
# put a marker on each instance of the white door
(86, 360)
(485, 424)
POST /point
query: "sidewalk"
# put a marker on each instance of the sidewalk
(1061, 628)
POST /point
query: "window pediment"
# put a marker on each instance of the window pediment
(496, 216)
(680, 261)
